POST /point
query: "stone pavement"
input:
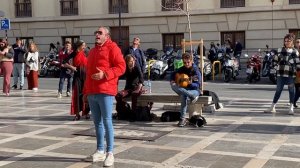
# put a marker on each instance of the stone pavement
(36, 131)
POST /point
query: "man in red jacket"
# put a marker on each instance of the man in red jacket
(104, 66)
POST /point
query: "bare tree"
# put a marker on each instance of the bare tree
(181, 6)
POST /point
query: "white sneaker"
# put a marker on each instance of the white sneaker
(68, 94)
(291, 111)
(109, 161)
(98, 156)
(270, 110)
(58, 95)
(35, 89)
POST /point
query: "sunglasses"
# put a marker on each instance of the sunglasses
(98, 32)
(186, 62)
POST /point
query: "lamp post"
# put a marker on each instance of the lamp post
(272, 22)
(119, 5)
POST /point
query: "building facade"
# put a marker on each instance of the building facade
(159, 23)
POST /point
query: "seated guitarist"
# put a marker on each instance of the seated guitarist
(187, 89)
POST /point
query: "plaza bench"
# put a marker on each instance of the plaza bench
(193, 109)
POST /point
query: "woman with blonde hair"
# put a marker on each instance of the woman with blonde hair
(32, 66)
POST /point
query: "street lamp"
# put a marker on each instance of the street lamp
(272, 22)
(119, 5)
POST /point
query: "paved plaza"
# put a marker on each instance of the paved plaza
(36, 131)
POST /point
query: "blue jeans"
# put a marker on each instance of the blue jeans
(185, 95)
(281, 81)
(101, 106)
(18, 71)
(63, 75)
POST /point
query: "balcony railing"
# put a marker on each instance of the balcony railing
(294, 1)
(69, 7)
(23, 9)
(114, 6)
(232, 3)
(171, 5)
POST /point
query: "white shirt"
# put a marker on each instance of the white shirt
(32, 61)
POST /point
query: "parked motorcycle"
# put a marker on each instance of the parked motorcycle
(151, 57)
(273, 70)
(268, 70)
(163, 64)
(49, 65)
(169, 56)
(207, 66)
(230, 67)
(253, 67)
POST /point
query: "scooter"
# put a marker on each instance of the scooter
(230, 67)
(163, 64)
(253, 67)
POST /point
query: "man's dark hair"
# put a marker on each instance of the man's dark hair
(187, 56)
(67, 42)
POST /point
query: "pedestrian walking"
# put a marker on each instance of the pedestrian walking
(186, 82)
(6, 58)
(32, 66)
(297, 80)
(105, 65)
(19, 66)
(78, 66)
(65, 73)
(286, 63)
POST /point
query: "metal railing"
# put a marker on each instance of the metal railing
(23, 9)
(69, 7)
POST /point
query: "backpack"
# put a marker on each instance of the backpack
(169, 116)
(142, 113)
(197, 121)
(215, 98)
(123, 111)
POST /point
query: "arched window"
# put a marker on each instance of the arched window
(68, 7)
(23, 8)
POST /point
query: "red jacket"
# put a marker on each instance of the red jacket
(62, 55)
(80, 59)
(109, 59)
